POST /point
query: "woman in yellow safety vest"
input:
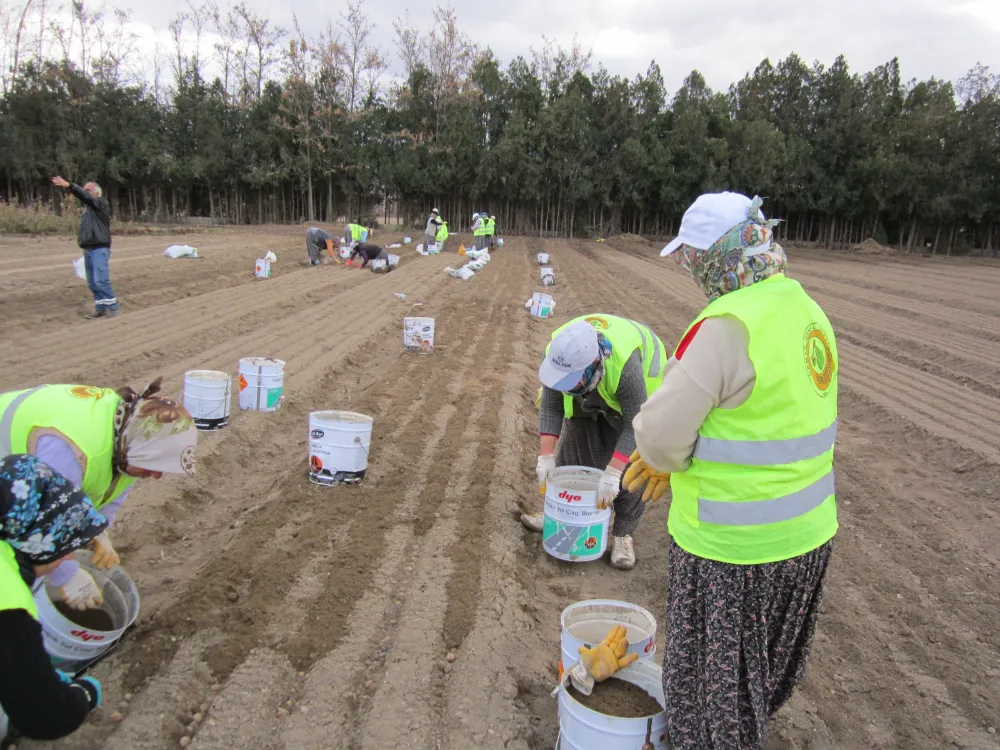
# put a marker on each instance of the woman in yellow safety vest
(102, 441)
(43, 518)
(598, 371)
(355, 234)
(743, 429)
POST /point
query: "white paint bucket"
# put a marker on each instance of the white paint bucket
(393, 260)
(580, 728)
(262, 382)
(499, 241)
(407, 240)
(344, 251)
(418, 335)
(262, 269)
(207, 396)
(73, 646)
(434, 249)
(543, 259)
(339, 443)
(542, 305)
(586, 623)
(574, 530)
(548, 275)
(379, 266)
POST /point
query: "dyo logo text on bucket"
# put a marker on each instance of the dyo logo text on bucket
(85, 635)
(564, 495)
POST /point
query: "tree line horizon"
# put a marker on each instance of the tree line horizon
(300, 125)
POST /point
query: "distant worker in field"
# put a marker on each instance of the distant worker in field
(479, 231)
(442, 235)
(366, 253)
(355, 234)
(101, 441)
(597, 373)
(43, 520)
(432, 228)
(491, 231)
(317, 242)
(743, 429)
(94, 238)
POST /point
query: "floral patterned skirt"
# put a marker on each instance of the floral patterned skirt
(738, 637)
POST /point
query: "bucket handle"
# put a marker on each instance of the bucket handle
(357, 439)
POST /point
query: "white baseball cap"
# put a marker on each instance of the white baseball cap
(709, 218)
(435, 211)
(569, 355)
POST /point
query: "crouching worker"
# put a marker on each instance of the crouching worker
(318, 242)
(366, 253)
(43, 519)
(101, 441)
(355, 234)
(597, 373)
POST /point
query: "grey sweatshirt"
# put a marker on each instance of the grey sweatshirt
(631, 395)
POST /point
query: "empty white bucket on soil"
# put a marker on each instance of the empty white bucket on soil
(345, 252)
(393, 260)
(580, 728)
(206, 396)
(418, 334)
(542, 305)
(263, 268)
(548, 275)
(339, 443)
(574, 530)
(586, 623)
(499, 241)
(73, 643)
(543, 259)
(262, 382)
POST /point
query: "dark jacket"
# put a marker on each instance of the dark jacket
(95, 223)
(369, 252)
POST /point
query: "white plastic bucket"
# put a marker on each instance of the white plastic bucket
(393, 260)
(207, 396)
(262, 269)
(418, 334)
(586, 623)
(434, 249)
(262, 382)
(407, 240)
(339, 443)
(574, 530)
(541, 305)
(73, 646)
(344, 251)
(583, 729)
(548, 276)
(543, 259)
(379, 266)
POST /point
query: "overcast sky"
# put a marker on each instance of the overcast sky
(724, 39)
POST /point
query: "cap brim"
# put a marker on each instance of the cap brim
(556, 379)
(671, 247)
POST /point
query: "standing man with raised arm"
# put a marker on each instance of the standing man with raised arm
(94, 238)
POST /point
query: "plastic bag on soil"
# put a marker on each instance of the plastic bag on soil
(181, 251)
(80, 268)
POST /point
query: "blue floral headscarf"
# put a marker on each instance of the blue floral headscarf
(594, 373)
(744, 255)
(42, 515)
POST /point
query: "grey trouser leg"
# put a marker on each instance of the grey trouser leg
(428, 240)
(591, 442)
(311, 247)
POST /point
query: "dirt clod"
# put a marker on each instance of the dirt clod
(116, 716)
(185, 741)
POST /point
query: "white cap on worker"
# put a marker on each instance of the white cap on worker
(435, 211)
(569, 355)
(709, 218)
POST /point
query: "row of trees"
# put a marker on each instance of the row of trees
(250, 122)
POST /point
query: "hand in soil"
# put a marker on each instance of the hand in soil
(608, 656)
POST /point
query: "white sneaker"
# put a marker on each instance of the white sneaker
(622, 552)
(534, 522)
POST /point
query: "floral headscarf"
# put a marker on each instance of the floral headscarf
(154, 433)
(744, 255)
(594, 373)
(42, 515)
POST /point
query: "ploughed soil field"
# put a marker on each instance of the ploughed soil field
(412, 610)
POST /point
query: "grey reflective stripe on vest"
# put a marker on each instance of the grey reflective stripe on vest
(756, 512)
(7, 419)
(766, 452)
(654, 366)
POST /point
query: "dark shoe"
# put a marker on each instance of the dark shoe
(96, 314)
(111, 313)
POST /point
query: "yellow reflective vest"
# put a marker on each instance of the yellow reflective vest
(760, 487)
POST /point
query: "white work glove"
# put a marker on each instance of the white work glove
(81, 591)
(545, 466)
(608, 487)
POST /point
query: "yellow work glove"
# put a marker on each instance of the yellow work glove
(608, 656)
(104, 552)
(639, 475)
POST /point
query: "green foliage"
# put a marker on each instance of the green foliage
(549, 146)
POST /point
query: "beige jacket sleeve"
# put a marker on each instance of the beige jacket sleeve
(714, 372)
